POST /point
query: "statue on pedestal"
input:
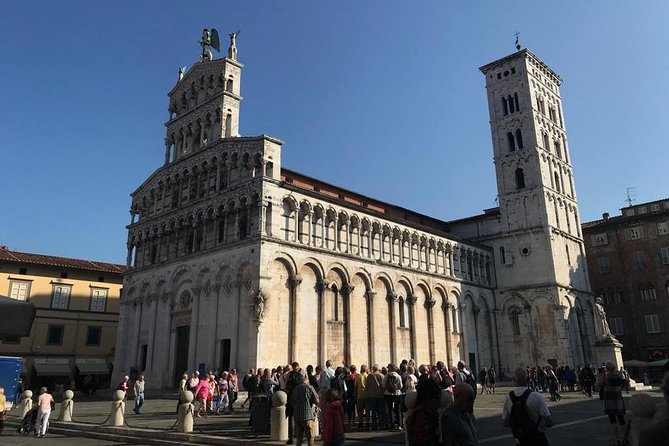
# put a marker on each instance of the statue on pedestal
(602, 329)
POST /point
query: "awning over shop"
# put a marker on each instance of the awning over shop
(53, 369)
(92, 366)
(637, 363)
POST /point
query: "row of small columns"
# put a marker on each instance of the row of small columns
(145, 245)
(480, 263)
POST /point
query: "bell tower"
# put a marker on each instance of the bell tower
(204, 104)
(539, 249)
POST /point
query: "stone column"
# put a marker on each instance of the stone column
(336, 233)
(463, 336)
(310, 216)
(369, 300)
(295, 315)
(446, 310)
(323, 242)
(321, 286)
(296, 234)
(346, 292)
(167, 151)
(429, 303)
(248, 220)
(411, 301)
(237, 232)
(194, 323)
(370, 241)
(392, 298)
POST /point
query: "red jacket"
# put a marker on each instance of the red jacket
(334, 422)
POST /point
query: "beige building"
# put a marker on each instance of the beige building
(74, 333)
(235, 261)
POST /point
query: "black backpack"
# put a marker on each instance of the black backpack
(522, 426)
(469, 379)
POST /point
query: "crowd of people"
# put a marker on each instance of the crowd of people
(344, 398)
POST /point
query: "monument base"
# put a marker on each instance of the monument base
(609, 349)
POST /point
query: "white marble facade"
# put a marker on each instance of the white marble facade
(236, 262)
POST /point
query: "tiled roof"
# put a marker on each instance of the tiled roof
(65, 262)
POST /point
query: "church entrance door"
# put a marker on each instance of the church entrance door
(181, 355)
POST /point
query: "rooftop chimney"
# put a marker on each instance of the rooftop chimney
(605, 216)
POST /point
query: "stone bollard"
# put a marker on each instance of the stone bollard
(643, 410)
(185, 413)
(67, 406)
(117, 409)
(279, 422)
(26, 403)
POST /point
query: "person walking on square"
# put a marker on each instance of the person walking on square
(139, 394)
(483, 379)
(375, 398)
(492, 378)
(245, 384)
(233, 388)
(614, 405)
(202, 396)
(124, 386)
(45, 404)
(223, 399)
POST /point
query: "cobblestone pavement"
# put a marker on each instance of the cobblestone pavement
(576, 417)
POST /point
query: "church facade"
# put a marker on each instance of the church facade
(236, 261)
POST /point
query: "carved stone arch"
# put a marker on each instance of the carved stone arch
(365, 277)
(387, 281)
(341, 270)
(316, 265)
(181, 273)
(404, 287)
(288, 261)
(425, 288)
(517, 300)
(292, 201)
(203, 276)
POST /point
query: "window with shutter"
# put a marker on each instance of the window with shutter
(60, 299)
(19, 290)
(652, 323)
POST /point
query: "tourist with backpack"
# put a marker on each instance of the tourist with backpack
(392, 390)
(526, 413)
(492, 378)
(465, 376)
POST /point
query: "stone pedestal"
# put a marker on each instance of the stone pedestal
(185, 412)
(117, 409)
(26, 403)
(67, 406)
(279, 422)
(609, 349)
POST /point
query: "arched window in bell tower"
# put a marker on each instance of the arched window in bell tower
(546, 144)
(505, 106)
(519, 138)
(228, 125)
(520, 179)
(511, 106)
(229, 85)
(510, 141)
(557, 182)
(515, 101)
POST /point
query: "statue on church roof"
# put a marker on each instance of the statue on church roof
(232, 51)
(209, 40)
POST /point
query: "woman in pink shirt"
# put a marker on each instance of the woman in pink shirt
(202, 394)
(44, 402)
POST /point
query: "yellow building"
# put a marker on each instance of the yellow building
(74, 334)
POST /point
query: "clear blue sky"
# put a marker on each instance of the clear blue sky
(380, 97)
